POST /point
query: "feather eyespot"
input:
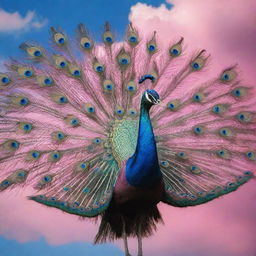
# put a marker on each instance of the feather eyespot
(195, 169)
(182, 155)
(58, 136)
(98, 68)
(251, 155)
(90, 109)
(4, 80)
(176, 49)
(239, 92)
(59, 99)
(72, 121)
(133, 39)
(27, 127)
(198, 97)
(219, 109)
(48, 81)
(223, 153)
(25, 72)
(197, 64)
(63, 100)
(82, 166)
(225, 132)
(164, 164)
(60, 62)
(228, 75)
(173, 105)
(74, 71)
(86, 43)
(108, 86)
(198, 130)
(244, 117)
(5, 184)
(123, 59)
(11, 145)
(151, 48)
(33, 155)
(59, 39)
(24, 101)
(34, 52)
(97, 141)
(66, 189)
(55, 156)
(119, 111)
(132, 112)
(132, 36)
(131, 87)
(108, 38)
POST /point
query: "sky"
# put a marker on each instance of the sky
(226, 29)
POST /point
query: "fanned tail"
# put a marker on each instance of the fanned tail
(205, 132)
(67, 122)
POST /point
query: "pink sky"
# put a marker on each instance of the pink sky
(224, 227)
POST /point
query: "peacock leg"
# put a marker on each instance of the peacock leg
(139, 242)
(126, 249)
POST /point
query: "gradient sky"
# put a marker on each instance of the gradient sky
(226, 28)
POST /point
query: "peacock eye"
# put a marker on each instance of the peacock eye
(48, 81)
(198, 97)
(133, 39)
(37, 53)
(97, 141)
(197, 64)
(76, 73)
(124, 61)
(63, 100)
(24, 101)
(63, 64)
(119, 111)
(108, 37)
(251, 155)
(99, 68)
(5, 80)
(27, 127)
(59, 38)
(87, 45)
(28, 73)
(228, 75)
(198, 130)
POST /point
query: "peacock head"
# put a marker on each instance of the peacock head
(150, 98)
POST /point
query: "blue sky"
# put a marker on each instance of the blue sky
(42, 248)
(66, 14)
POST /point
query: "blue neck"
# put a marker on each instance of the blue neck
(142, 169)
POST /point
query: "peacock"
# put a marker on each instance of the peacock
(108, 130)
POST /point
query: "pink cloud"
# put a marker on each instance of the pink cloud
(226, 29)
(10, 22)
(223, 227)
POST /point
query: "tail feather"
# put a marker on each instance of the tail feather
(117, 221)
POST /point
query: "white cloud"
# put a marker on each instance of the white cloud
(10, 22)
